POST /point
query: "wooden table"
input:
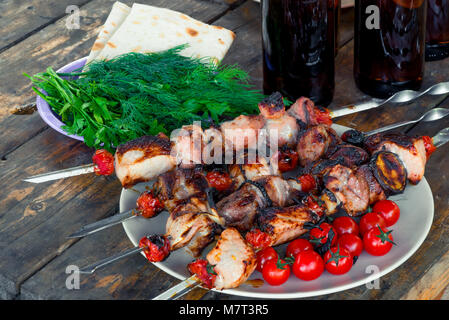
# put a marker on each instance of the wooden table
(35, 220)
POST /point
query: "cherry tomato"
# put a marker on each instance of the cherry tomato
(308, 265)
(287, 160)
(369, 221)
(345, 225)
(313, 205)
(320, 235)
(265, 255)
(219, 180)
(157, 247)
(428, 145)
(149, 205)
(378, 241)
(297, 246)
(352, 243)
(276, 272)
(307, 182)
(258, 239)
(104, 162)
(338, 260)
(323, 116)
(204, 272)
(389, 210)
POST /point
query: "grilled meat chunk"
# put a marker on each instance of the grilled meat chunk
(376, 193)
(285, 224)
(350, 156)
(308, 114)
(234, 260)
(177, 185)
(316, 142)
(143, 159)
(190, 226)
(411, 151)
(351, 190)
(279, 125)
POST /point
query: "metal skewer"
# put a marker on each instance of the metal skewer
(431, 115)
(61, 174)
(180, 289)
(405, 96)
(97, 265)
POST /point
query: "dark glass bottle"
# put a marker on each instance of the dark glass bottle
(389, 45)
(437, 34)
(298, 40)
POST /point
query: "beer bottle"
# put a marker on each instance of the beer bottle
(437, 34)
(389, 45)
(298, 41)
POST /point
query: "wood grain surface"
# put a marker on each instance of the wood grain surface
(35, 220)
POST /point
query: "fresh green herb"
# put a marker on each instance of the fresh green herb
(139, 94)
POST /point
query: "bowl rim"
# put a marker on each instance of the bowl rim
(44, 109)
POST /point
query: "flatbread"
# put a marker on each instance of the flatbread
(153, 29)
(115, 19)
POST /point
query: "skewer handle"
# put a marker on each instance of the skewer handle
(180, 289)
(60, 174)
(93, 267)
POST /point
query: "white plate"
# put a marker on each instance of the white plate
(416, 205)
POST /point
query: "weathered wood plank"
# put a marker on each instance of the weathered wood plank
(20, 18)
(37, 218)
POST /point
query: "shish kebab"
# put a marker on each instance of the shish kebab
(245, 248)
(307, 115)
(312, 142)
(228, 273)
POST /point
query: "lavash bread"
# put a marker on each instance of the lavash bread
(115, 19)
(152, 29)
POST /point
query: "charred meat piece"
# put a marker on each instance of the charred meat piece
(306, 112)
(349, 189)
(188, 145)
(143, 159)
(174, 186)
(376, 192)
(285, 224)
(350, 156)
(354, 137)
(239, 208)
(315, 143)
(190, 226)
(279, 126)
(389, 171)
(411, 151)
(234, 260)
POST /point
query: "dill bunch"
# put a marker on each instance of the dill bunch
(111, 102)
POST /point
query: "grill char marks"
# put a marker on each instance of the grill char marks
(143, 159)
(389, 171)
(272, 106)
(376, 192)
(410, 150)
(351, 156)
(285, 224)
(315, 143)
(349, 189)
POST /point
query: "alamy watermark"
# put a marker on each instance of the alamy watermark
(73, 20)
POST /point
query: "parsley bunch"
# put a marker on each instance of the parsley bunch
(111, 102)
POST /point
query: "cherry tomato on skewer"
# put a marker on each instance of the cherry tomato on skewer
(219, 180)
(156, 247)
(258, 239)
(287, 160)
(148, 204)
(104, 162)
(204, 271)
(308, 182)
